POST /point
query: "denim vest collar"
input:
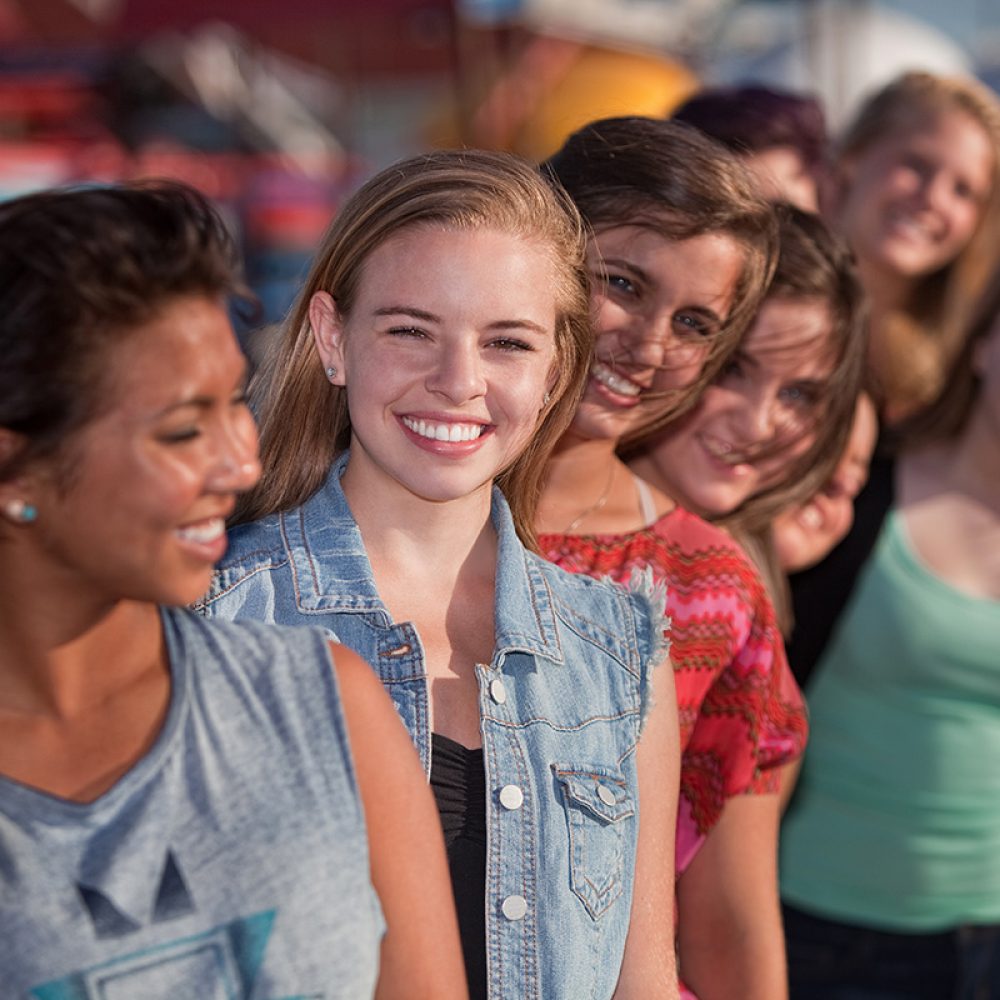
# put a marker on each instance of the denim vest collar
(332, 571)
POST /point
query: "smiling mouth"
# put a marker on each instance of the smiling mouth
(203, 532)
(434, 430)
(610, 379)
(724, 452)
(909, 225)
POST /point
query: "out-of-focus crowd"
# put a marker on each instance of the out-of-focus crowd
(645, 504)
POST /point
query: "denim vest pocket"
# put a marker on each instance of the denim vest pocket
(597, 800)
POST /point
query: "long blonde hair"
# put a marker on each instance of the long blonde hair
(304, 420)
(924, 336)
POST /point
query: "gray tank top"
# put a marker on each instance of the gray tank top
(231, 862)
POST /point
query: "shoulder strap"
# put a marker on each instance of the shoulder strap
(820, 593)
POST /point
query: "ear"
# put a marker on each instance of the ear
(328, 333)
(19, 488)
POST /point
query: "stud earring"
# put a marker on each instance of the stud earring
(21, 511)
(546, 398)
(331, 373)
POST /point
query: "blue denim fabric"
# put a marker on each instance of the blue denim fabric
(829, 960)
(561, 705)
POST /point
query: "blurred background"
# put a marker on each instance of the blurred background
(278, 108)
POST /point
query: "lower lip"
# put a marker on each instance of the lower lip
(451, 449)
(617, 399)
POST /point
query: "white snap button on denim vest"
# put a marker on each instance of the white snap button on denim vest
(497, 691)
(606, 795)
(511, 797)
(514, 907)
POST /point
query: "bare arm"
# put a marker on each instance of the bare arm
(730, 938)
(421, 955)
(649, 968)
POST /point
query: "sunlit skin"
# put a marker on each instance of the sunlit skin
(467, 357)
(447, 354)
(175, 430)
(756, 418)
(658, 305)
(783, 175)
(804, 535)
(911, 202)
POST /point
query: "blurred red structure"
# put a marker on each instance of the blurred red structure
(373, 37)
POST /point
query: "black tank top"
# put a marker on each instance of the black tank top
(459, 785)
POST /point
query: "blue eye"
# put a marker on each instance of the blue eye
(691, 323)
(801, 395)
(620, 283)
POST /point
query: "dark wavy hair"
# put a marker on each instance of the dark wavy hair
(80, 268)
(752, 118)
(671, 179)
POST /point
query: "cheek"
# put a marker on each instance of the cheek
(966, 220)
(685, 363)
(607, 315)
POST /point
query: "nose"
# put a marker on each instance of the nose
(236, 466)
(937, 190)
(756, 420)
(458, 373)
(650, 340)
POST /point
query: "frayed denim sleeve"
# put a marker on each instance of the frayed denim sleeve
(649, 598)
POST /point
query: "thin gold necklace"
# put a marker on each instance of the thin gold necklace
(597, 504)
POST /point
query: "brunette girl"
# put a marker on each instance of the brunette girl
(681, 253)
(180, 814)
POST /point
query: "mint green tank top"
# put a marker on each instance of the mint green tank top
(896, 823)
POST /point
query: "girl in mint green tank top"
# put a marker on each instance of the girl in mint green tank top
(890, 861)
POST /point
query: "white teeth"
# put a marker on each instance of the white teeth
(606, 376)
(206, 531)
(810, 517)
(444, 432)
(721, 450)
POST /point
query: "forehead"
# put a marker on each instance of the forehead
(704, 267)
(792, 336)
(186, 350)
(947, 131)
(443, 269)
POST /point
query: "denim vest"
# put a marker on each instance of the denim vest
(561, 705)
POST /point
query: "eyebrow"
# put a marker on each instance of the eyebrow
(206, 402)
(429, 317)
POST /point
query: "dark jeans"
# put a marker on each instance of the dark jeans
(833, 961)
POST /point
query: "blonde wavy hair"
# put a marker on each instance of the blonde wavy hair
(923, 337)
(304, 420)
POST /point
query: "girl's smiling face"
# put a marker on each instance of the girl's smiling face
(758, 416)
(659, 305)
(134, 506)
(913, 200)
(447, 356)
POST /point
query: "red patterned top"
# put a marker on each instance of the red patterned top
(741, 712)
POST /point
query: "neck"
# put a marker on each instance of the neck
(969, 465)
(589, 489)
(433, 538)
(62, 660)
(888, 291)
